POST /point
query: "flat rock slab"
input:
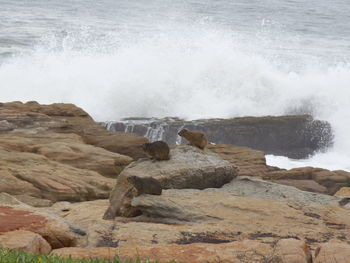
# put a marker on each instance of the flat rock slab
(188, 168)
(263, 213)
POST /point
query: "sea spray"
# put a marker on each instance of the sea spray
(190, 73)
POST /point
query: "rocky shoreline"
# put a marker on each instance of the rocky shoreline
(58, 168)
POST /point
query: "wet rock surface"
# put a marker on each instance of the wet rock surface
(295, 136)
(15, 215)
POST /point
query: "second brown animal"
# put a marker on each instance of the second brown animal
(195, 138)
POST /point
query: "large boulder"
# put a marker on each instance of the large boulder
(15, 215)
(67, 149)
(188, 167)
(24, 240)
(333, 252)
(295, 136)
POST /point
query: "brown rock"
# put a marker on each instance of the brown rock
(293, 251)
(118, 142)
(333, 252)
(250, 162)
(39, 177)
(85, 157)
(25, 241)
(67, 149)
(33, 118)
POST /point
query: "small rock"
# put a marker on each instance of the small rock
(293, 251)
(343, 192)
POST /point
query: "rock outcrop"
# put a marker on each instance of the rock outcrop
(295, 136)
(188, 167)
(201, 207)
(45, 155)
(33, 118)
(253, 163)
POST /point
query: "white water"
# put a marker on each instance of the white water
(191, 69)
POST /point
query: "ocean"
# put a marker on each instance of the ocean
(188, 59)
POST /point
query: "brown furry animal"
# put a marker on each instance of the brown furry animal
(195, 138)
(158, 150)
(145, 185)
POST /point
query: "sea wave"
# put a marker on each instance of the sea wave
(191, 74)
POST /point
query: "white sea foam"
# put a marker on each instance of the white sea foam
(189, 74)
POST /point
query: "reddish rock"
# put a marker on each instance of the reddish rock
(12, 219)
(20, 217)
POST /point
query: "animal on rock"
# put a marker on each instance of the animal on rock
(195, 138)
(158, 150)
(146, 185)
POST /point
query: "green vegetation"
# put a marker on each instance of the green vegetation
(8, 256)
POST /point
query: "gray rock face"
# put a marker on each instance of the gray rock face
(192, 205)
(250, 186)
(295, 136)
(188, 167)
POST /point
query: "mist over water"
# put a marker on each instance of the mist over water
(189, 59)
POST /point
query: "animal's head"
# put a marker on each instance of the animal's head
(182, 132)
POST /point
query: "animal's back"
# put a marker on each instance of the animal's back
(158, 150)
